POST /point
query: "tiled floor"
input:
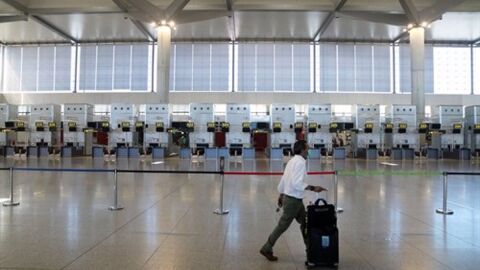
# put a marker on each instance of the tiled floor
(168, 222)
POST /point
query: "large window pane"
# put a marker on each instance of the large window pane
(428, 73)
(13, 65)
(476, 70)
(302, 67)
(328, 67)
(452, 70)
(122, 67)
(220, 67)
(46, 68)
(404, 79)
(246, 59)
(405, 73)
(29, 68)
(104, 67)
(363, 68)
(283, 67)
(201, 67)
(346, 68)
(88, 67)
(172, 67)
(141, 73)
(382, 68)
(183, 67)
(265, 67)
(63, 68)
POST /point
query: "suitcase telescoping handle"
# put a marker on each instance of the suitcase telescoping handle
(320, 199)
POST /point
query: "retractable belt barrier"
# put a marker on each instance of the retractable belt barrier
(116, 206)
(444, 210)
(334, 173)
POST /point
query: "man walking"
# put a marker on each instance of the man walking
(292, 187)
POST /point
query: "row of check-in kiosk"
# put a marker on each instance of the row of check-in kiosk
(42, 130)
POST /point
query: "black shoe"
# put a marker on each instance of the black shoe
(269, 256)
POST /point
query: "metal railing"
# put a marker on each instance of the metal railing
(115, 200)
(444, 210)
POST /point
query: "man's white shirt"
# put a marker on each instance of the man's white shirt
(293, 179)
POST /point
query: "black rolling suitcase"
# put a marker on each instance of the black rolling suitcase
(322, 235)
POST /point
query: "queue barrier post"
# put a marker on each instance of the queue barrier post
(335, 193)
(220, 210)
(11, 201)
(115, 206)
(444, 210)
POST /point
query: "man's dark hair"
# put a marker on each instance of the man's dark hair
(299, 146)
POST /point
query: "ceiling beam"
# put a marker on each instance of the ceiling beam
(101, 10)
(54, 29)
(175, 7)
(400, 37)
(140, 26)
(16, 5)
(20, 7)
(329, 19)
(410, 11)
(229, 4)
(231, 21)
(79, 10)
(476, 41)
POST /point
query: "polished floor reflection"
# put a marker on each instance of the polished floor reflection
(168, 222)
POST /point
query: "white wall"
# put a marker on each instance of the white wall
(252, 98)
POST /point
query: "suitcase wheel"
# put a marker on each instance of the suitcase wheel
(312, 265)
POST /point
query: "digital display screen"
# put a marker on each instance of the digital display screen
(312, 125)
(126, 124)
(39, 124)
(105, 124)
(402, 126)
(262, 125)
(72, 124)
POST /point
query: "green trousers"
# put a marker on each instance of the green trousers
(292, 209)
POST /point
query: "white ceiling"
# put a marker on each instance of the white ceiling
(102, 20)
(278, 24)
(346, 29)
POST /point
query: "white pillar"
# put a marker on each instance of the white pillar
(164, 38)
(417, 52)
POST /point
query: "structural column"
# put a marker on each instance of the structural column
(417, 52)
(164, 38)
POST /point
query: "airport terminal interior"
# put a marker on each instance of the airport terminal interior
(152, 134)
